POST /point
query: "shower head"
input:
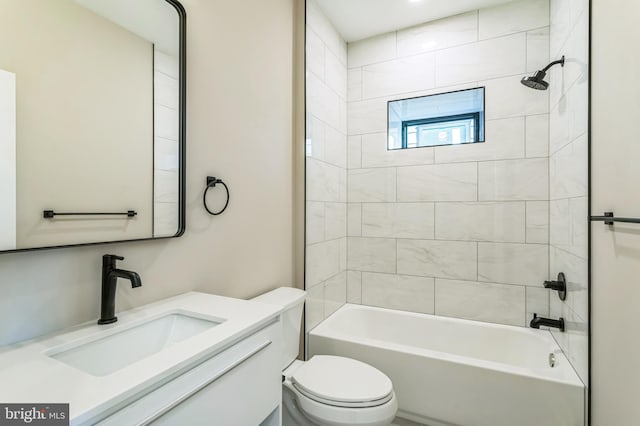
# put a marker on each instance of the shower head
(536, 81)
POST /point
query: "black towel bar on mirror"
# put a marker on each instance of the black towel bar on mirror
(610, 219)
(50, 214)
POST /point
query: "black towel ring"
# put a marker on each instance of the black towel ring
(211, 183)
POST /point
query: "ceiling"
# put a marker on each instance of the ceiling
(359, 19)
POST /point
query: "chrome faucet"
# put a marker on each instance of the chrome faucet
(110, 275)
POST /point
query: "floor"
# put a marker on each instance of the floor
(404, 422)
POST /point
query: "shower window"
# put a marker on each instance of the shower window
(443, 119)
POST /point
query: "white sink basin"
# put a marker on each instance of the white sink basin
(106, 355)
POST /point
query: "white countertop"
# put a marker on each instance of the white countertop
(29, 375)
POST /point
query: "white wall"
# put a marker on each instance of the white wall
(614, 183)
(568, 175)
(7, 160)
(239, 128)
(326, 178)
(460, 230)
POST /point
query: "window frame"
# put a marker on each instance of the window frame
(475, 116)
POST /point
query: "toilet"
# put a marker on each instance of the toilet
(326, 390)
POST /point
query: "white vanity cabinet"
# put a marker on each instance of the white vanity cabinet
(240, 386)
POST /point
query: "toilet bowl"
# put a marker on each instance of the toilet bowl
(327, 390)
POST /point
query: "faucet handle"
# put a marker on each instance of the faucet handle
(112, 256)
(109, 260)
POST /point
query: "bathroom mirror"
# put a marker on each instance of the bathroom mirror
(92, 96)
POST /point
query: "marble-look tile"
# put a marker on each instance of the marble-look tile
(513, 17)
(537, 222)
(569, 225)
(314, 222)
(523, 264)
(354, 287)
(559, 228)
(354, 220)
(315, 138)
(318, 22)
(166, 122)
(444, 259)
(336, 74)
(440, 34)
(537, 49)
(165, 154)
(335, 293)
(376, 154)
(576, 271)
(322, 261)
(315, 54)
(342, 247)
(579, 108)
(401, 75)
(558, 125)
(165, 90)
(166, 64)
(335, 147)
(482, 60)
(323, 102)
(165, 186)
(511, 180)
(314, 306)
(398, 220)
(165, 219)
(354, 152)
(504, 139)
(354, 84)
(323, 181)
(440, 182)
(495, 222)
(368, 116)
(506, 97)
(568, 170)
(372, 185)
(372, 50)
(488, 302)
(371, 254)
(402, 292)
(335, 220)
(537, 302)
(537, 136)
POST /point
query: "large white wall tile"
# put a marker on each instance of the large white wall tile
(315, 54)
(375, 153)
(336, 220)
(537, 222)
(496, 222)
(371, 254)
(369, 116)
(513, 180)
(483, 60)
(440, 182)
(398, 220)
(569, 171)
(354, 219)
(314, 222)
(537, 49)
(440, 34)
(504, 139)
(335, 147)
(498, 303)
(314, 306)
(402, 292)
(335, 293)
(354, 152)
(513, 17)
(322, 261)
(317, 21)
(402, 75)
(507, 97)
(537, 136)
(323, 102)
(444, 259)
(335, 74)
(323, 181)
(354, 287)
(354, 84)
(525, 264)
(537, 302)
(372, 185)
(372, 50)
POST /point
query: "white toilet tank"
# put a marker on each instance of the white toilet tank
(292, 302)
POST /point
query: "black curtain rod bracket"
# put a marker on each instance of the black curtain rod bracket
(610, 219)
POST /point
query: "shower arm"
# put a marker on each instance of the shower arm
(559, 61)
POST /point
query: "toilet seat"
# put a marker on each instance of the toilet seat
(342, 382)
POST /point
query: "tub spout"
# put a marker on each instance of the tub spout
(537, 321)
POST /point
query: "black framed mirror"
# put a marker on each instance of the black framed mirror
(92, 122)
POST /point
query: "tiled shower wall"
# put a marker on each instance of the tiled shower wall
(568, 148)
(326, 180)
(461, 230)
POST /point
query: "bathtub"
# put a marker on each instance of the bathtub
(448, 371)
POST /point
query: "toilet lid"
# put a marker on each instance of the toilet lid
(342, 382)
